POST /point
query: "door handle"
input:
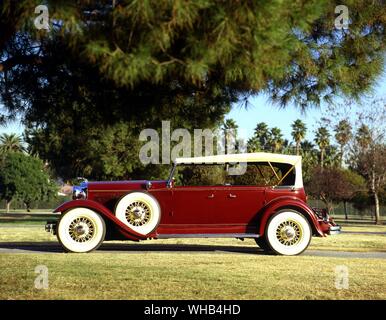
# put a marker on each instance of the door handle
(232, 195)
(211, 196)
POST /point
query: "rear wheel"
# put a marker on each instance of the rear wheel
(81, 230)
(288, 233)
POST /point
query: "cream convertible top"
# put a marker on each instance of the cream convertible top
(295, 161)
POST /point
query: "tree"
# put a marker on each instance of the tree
(332, 184)
(372, 164)
(306, 146)
(10, 142)
(343, 134)
(23, 177)
(368, 155)
(230, 134)
(260, 138)
(63, 135)
(355, 184)
(182, 60)
(253, 144)
(332, 157)
(322, 139)
(363, 136)
(298, 133)
(275, 139)
(202, 42)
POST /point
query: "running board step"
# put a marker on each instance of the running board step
(208, 235)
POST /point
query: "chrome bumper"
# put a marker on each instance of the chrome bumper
(335, 230)
(51, 227)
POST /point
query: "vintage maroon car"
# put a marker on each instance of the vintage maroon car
(252, 195)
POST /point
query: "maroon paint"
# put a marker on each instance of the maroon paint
(201, 209)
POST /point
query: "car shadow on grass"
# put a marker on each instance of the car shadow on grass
(53, 247)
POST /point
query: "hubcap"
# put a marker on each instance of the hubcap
(138, 213)
(81, 229)
(289, 232)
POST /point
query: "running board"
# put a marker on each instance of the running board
(208, 235)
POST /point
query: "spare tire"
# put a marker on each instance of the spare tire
(139, 211)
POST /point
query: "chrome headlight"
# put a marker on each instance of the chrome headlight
(79, 192)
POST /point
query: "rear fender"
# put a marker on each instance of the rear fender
(289, 203)
(106, 213)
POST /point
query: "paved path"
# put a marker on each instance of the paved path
(53, 247)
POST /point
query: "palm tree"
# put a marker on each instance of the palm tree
(276, 139)
(363, 136)
(11, 142)
(343, 134)
(230, 133)
(322, 139)
(332, 157)
(307, 146)
(262, 134)
(298, 133)
(253, 145)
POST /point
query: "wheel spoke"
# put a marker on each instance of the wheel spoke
(138, 213)
(81, 229)
(289, 232)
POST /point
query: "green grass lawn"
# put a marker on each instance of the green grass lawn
(192, 274)
(157, 275)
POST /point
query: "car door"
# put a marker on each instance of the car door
(236, 207)
(191, 210)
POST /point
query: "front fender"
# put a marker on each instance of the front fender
(289, 203)
(106, 213)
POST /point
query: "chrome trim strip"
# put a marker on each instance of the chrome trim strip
(208, 235)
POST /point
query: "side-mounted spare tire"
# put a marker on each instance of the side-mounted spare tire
(139, 211)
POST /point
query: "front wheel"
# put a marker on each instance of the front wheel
(81, 230)
(288, 233)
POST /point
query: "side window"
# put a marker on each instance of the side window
(264, 174)
(200, 175)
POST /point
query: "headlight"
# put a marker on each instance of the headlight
(79, 193)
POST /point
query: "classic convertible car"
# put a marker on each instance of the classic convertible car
(251, 195)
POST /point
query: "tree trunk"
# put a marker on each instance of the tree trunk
(377, 213)
(345, 210)
(321, 158)
(8, 205)
(376, 199)
(341, 155)
(297, 148)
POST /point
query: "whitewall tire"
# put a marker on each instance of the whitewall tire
(139, 211)
(81, 230)
(288, 233)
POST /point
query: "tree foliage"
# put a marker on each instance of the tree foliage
(10, 142)
(332, 184)
(104, 63)
(298, 133)
(24, 178)
(292, 50)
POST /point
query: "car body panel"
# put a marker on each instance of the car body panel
(221, 209)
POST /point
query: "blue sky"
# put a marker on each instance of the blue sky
(262, 110)
(259, 110)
